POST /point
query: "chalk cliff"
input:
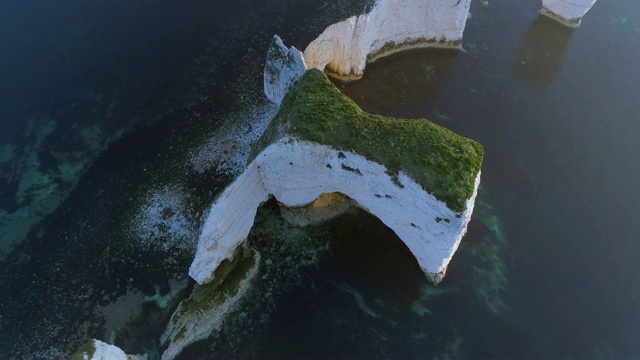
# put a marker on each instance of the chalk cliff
(418, 178)
(344, 48)
(568, 12)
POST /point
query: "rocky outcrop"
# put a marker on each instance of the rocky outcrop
(98, 350)
(344, 49)
(418, 178)
(204, 311)
(283, 67)
(568, 12)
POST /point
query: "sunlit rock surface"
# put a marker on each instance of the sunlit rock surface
(418, 178)
(568, 12)
(344, 49)
(98, 350)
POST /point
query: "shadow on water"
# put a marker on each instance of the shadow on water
(407, 81)
(540, 56)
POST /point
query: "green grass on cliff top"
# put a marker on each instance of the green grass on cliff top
(443, 163)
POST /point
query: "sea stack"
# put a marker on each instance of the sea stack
(322, 155)
(418, 178)
(344, 48)
(568, 12)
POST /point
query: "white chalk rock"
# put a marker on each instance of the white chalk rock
(568, 12)
(345, 48)
(98, 350)
(297, 172)
(282, 69)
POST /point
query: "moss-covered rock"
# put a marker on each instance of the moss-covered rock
(204, 311)
(443, 163)
(85, 351)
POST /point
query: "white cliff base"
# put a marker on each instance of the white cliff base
(568, 12)
(98, 350)
(297, 172)
(346, 47)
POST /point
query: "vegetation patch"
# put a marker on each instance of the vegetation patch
(88, 349)
(227, 282)
(443, 163)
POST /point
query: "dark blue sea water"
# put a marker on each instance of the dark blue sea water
(103, 103)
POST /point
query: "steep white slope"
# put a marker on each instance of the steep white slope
(296, 172)
(229, 222)
(345, 48)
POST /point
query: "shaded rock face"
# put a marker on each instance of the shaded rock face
(568, 12)
(283, 67)
(324, 208)
(344, 49)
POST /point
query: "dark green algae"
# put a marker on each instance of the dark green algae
(443, 163)
(88, 348)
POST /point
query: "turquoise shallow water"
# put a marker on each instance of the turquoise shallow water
(547, 269)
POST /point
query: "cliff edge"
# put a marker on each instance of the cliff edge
(568, 12)
(344, 48)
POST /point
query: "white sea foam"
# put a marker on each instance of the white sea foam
(227, 151)
(162, 220)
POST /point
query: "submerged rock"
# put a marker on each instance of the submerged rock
(418, 178)
(568, 12)
(344, 49)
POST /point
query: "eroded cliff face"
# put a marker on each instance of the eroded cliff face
(298, 172)
(344, 49)
(568, 12)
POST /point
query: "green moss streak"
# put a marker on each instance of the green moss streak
(443, 163)
(88, 348)
(228, 279)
